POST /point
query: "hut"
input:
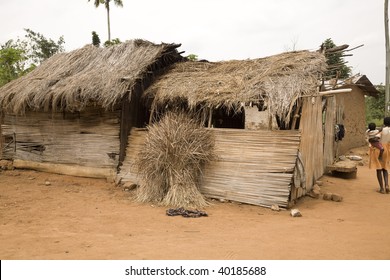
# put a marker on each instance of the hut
(349, 111)
(84, 113)
(266, 115)
(73, 113)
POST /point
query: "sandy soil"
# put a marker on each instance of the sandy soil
(80, 218)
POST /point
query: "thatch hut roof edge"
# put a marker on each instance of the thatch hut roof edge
(278, 80)
(71, 81)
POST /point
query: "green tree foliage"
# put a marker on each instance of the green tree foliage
(18, 57)
(375, 107)
(12, 61)
(115, 41)
(192, 57)
(106, 4)
(337, 65)
(41, 48)
(95, 39)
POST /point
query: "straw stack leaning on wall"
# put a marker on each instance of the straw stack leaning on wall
(171, 162)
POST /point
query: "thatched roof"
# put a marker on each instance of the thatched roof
(363, 83)
(74, 80)
(358, 80)
(277, 80)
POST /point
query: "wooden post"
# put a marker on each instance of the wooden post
(269, 120)
(329, 135)
(1, 136)
(387, 44)
(210, 117)
(295, 115)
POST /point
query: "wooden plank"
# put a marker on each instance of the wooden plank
(311, 145)
(127, 172)
(329, 135)
(72, 170)
(90, 138)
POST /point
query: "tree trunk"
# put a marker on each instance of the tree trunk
(387, 81)
(108, 22)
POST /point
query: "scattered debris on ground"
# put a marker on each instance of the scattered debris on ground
(186, 213)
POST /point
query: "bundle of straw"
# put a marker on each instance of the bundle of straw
(171, 161)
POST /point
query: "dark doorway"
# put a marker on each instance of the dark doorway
(223, 118)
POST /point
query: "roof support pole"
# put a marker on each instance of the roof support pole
(387, 79)
(1, 135)
(330, 92)
(210, 117)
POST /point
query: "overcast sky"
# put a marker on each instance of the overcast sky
(213, 29)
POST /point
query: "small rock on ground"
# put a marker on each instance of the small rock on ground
(337, 197)
(327, 196)
(295, 213)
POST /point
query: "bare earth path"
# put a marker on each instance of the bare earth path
(80, 218)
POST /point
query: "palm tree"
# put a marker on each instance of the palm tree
(107, 5)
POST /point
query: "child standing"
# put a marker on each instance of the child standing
(374, 136)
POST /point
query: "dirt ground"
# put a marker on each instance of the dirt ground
(80, 218)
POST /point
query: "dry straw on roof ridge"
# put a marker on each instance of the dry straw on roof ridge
(71, 81)
(171, 162)
(281, 79)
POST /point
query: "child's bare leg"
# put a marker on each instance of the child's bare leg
(386, 179)
(380, 180)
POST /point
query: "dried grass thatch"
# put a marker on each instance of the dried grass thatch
(276, 80)
(90, 75)
(170, 164)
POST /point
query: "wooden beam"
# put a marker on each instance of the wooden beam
(337, 49)
(330, 92)
(72, 170)
(334, 91)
